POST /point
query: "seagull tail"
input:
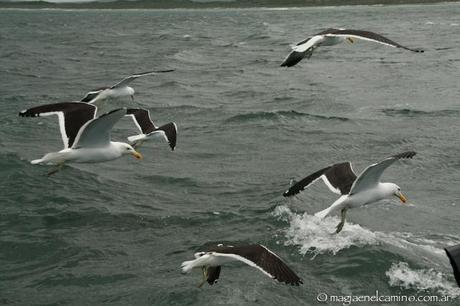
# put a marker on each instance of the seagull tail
(324, 213)
(188, 265)
(136, 138)
(49, 158)
(37, 161)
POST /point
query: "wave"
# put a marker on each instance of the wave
(279, 115)
(316, 236)
(407, 112)
(401, 275)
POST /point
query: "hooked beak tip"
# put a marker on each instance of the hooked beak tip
(402, 197)
(137, 155)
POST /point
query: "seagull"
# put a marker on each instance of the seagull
(148, 129)
(254, 255)
(121, 89)
(332, 37)
(86, 138)
(355, 191)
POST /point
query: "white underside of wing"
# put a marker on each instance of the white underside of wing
(243, 259)
(329, 185)
(310, 43)
(362, 38)
(135, 122)
(65, 138)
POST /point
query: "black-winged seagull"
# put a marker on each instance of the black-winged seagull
(121, 89)
(148, 129)
(86, 138)
(254, 255)
(355, 191)
(330, 37)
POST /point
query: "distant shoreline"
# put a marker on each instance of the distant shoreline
(188, 4)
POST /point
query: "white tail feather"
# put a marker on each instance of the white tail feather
(136, 137)
(49, 158)
(324, 213)
(188, 265)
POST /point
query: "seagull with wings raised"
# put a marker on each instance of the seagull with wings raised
(330, 37)
(86, 138)
(258, 256)
(121, 89)
(355, 191)
(148, 129)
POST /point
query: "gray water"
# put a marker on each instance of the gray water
(116, 232)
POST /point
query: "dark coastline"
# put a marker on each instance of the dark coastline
(186, 4)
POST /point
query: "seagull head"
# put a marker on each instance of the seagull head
(397, 192)
(128, 149)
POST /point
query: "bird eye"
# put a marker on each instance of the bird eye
(127, 149)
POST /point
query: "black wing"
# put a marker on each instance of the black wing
(339, 178)
(453, 253)
(145, 124)
(262, 258)
(170, 130)
(142, 119)
(90, 96)
(72, 116)
(213, 274)
(371, 36)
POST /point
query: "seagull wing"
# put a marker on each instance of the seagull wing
(307, 43)
(96, 133)
(144, 123)
(141, 118)
(370, 177)
(338, 178)
(131, 78)
(301, 50)
(260, 257)
(213, 274)
(72, 116)
(370, 36)
(92, 95)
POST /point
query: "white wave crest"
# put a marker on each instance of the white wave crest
(401, 275)
(317, 236)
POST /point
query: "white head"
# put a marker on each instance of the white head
(391, 190)
(125, 148)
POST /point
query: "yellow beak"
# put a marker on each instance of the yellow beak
(137, 155)
(350, 40)
(401, 197)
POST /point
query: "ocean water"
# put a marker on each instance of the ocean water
(116, 233)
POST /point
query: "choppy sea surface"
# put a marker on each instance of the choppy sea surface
(116, 232)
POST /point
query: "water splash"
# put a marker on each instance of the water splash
(317, 236)
(401, 275)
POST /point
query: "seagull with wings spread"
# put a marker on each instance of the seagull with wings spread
(331, 37)
(258, 256)
(121, 89)
(355, 191)
(86, 138)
